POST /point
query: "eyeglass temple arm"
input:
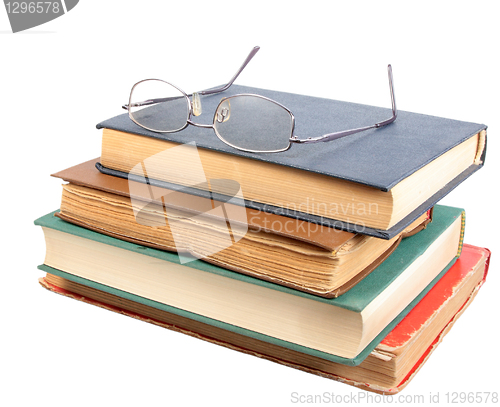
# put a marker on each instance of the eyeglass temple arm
(151, 102)
(344, 133)
(203, 92)
(227, 85)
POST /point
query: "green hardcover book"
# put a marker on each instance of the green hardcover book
(343, 330)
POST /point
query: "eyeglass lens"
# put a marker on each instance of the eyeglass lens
(253, 123)
(159, 106)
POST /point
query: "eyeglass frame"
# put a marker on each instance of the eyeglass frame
(292, 139)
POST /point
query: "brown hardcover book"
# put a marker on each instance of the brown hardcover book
(298, 254)
(389, 367)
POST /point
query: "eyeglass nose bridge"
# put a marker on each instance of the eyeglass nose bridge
(221, 115)
(203, 126)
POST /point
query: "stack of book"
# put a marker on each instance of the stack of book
(333, 258)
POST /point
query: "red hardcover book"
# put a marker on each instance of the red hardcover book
(387, 370)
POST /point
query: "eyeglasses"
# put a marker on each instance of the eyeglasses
(247, 122)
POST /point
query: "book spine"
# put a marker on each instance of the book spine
(462, 233)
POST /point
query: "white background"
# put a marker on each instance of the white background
(57, 81)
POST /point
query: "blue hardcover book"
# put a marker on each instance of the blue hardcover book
(374, 182)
